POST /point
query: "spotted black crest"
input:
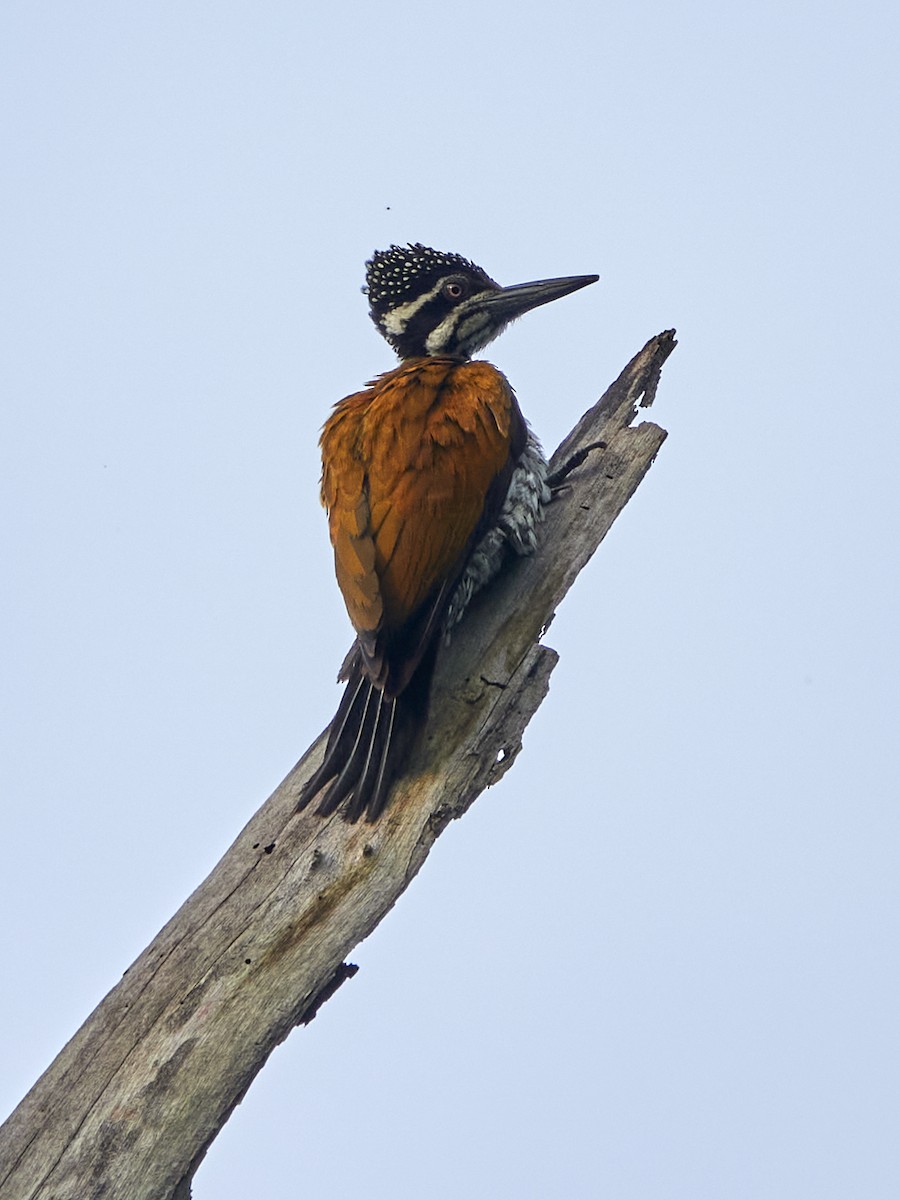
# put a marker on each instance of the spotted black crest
(403, 273)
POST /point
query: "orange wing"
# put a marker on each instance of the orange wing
(407, 465)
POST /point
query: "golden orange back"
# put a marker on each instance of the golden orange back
(407, 465)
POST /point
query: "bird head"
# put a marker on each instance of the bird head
(426, 302)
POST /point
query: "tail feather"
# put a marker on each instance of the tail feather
(361, 750)
(368, 743)
(383, 779)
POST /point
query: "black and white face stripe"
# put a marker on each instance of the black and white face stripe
(394, 321)
(433, 324)
(464, 330)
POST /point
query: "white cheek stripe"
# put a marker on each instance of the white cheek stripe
(396, 320)
(471, 324)
(438, 338)
(473, 330)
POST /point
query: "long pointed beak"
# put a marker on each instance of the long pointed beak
(509, 302)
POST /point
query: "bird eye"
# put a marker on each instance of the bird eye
(454, 289)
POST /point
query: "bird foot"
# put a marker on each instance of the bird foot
(557, 479)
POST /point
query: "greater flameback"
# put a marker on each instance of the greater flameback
(430, 476)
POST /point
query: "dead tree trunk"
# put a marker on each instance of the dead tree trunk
(130, 1106)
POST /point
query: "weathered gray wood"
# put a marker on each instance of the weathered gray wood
(129, 1107)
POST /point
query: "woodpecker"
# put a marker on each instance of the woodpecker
(430, 477)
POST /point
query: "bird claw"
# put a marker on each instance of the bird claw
(556, 480)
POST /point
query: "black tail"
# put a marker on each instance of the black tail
(368, 743)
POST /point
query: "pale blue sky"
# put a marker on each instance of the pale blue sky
(660, 959)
